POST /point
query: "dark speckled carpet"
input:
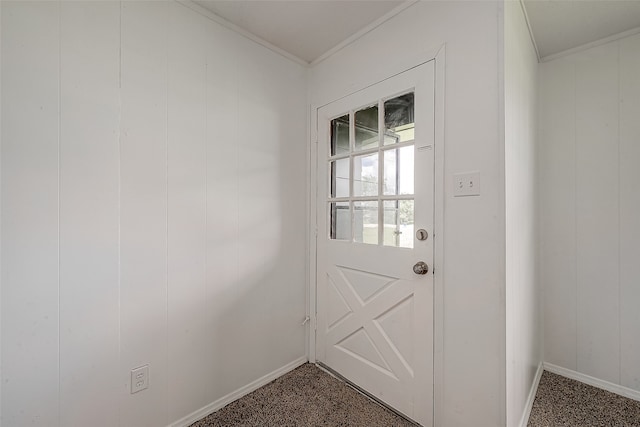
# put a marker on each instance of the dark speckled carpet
(564, 402)
(308, 396)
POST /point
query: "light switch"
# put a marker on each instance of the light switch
(466, 184)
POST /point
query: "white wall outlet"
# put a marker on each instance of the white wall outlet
(466, 184)
(139, 379)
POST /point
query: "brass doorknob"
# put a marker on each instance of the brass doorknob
(421, 268)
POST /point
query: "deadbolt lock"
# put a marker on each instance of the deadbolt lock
(422, 234)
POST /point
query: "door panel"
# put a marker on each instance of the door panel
(375, 189)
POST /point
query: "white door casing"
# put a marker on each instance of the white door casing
(374, 314)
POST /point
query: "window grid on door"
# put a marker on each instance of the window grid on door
(368, 140)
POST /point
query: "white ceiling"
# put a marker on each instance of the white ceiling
(307, 29)
(561, 25)
(304, 28)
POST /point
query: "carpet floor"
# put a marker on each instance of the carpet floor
(564, 402)
(308, 396)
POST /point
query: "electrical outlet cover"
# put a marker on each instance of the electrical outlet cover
(139, 379)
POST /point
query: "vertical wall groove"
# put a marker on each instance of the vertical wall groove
(119, 199)
(58, 188)
(575, 205)
(167, 22)
(1, 234)
(619, 218)
(209, 354)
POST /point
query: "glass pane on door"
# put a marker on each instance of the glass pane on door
(398, 171)
(365, 175)
(340, 136)
(365, 222)
(399, 119)
(398, 223)
(366, 128)
(340, 221)
(369, 210)
(339, 173)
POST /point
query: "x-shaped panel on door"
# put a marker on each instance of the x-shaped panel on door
(372, 320)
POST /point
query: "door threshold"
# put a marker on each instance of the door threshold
(363, 392)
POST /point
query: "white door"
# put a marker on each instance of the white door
(375, 194)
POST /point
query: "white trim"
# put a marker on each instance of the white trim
(600, 42)
(532, 396)
(309, 245)
(233, 27)
(1, 234)
(346, 42)
(313, 229)
(587, 379)
(312, 232)
(504, 348)
(533, 39)
(438, 236)
(259, 40)
(242, 391)
(387, 71)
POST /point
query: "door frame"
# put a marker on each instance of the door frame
(438, 56)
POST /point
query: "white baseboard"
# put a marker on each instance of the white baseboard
(242, 391)
(532, 396)
(583, 378)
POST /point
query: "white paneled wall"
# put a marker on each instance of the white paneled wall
(524, 338)
(629, 174)
(596, 192)
(30, 267)
(88, 206)
(590, 211)
(557, 180)
(143, 208)
(153, 181)
(186, 213)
